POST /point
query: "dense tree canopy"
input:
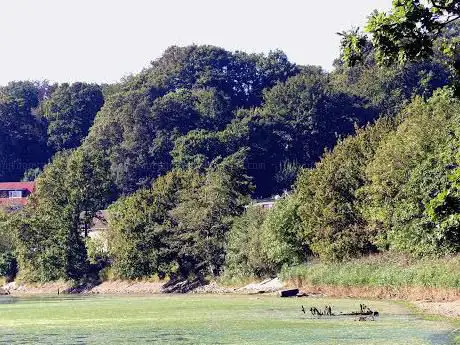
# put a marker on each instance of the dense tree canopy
(197, 103)
(297, 121)
(70, 112)
(366, 152)
(330, 205)
(391, 187)
(51, 227)
(178, 226)
(189, 91)
(398, 194)
(22, 132)
(261, 242)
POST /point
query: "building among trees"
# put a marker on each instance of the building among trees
(15, 194)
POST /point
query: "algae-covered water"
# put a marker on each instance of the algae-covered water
(207, 319)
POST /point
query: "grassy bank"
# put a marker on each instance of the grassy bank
(382, 276)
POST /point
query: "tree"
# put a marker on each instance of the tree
(50, 230)
(411, 31)
(333, 225)
(444, 212)
(178, 226)
(262, 241)
(189, 90)
(23, 133)
(282, 236)
(124, 132)
(31, 174)
(245, 255)
(186, 110)
(387, 89)
(138, 235)
(70, 112)
(298, 119)
(409, 169)
(240, 76)
(204, 214)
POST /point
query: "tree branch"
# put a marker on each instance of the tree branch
(451, 20)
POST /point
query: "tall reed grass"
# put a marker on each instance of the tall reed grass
(379, 271)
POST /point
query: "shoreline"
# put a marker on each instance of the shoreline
(443, 302)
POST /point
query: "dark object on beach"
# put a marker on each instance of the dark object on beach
(289, 293)
(315, 312)
(364, 308)
(328, 310)
(364, 313)
(303, 309)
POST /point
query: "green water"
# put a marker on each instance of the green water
(198, 319)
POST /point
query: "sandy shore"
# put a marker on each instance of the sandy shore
(127, 287)
(108, 287)
(35, 289)
(449, 309)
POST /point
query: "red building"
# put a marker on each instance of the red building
(13, 194)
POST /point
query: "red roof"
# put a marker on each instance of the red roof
(12, 186)
(29, 186)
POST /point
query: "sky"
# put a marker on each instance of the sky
(104, 40)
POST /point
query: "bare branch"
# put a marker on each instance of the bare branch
(451, 20)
